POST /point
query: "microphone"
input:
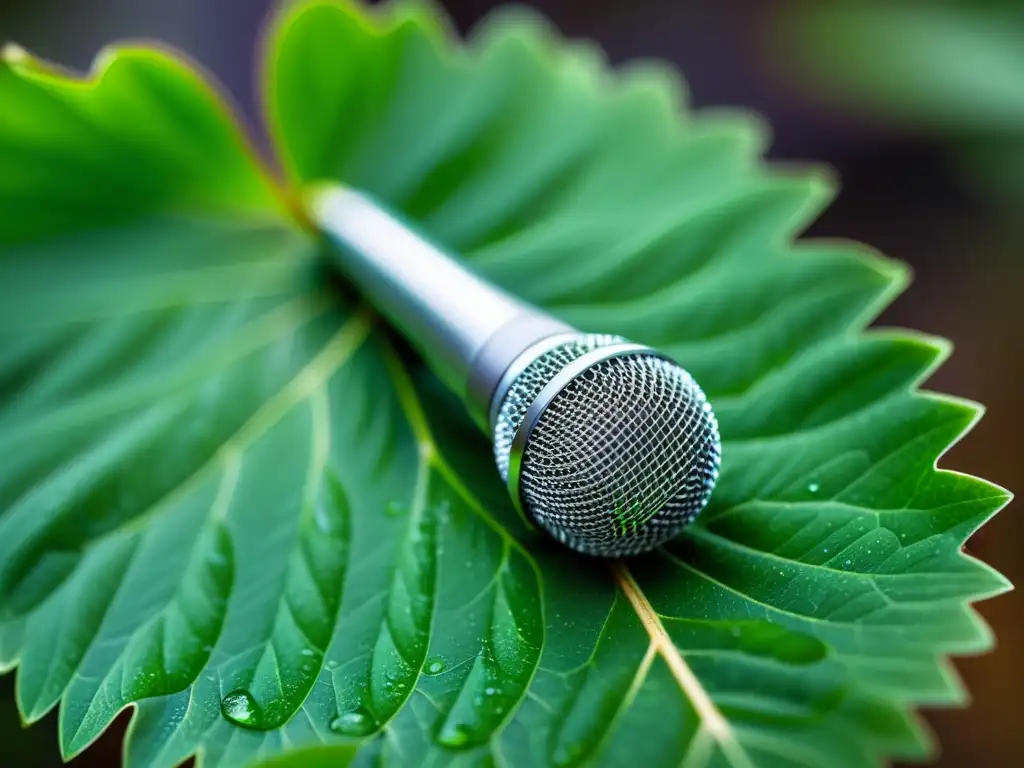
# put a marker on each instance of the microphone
(609, 446)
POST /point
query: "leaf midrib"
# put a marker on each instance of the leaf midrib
(710, 717)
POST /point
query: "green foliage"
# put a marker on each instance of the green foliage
(952, 69)
(229, 502)
(322, 756)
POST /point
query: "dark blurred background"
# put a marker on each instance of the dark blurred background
(918, 106)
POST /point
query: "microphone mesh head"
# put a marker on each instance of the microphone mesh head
(527, 386)
(621, 459)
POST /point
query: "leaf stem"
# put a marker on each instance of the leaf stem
(712, 720)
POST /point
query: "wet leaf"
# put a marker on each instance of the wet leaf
(230, 502)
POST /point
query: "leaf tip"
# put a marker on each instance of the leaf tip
(895, 274)
(12, 53)
(23, 62)
(662, 80)
(1001, 584)
(73, 738)
(515, 19)
(29, 712)
(823, 180)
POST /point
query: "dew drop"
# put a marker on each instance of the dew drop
(825, 550)
(848, 562)
(813, 487)
(307, 651)
(321, 521)
(240, 708)
(455, 737)
(331, 664)
(435, 666)
(331, 512)
(216, 558)
(490, 691)
(358, 722)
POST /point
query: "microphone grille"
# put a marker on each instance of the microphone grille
(528, 385)
(623, 457)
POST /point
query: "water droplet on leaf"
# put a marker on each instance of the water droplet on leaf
(455, 737)
(813, 487)
(240, 708)
(216, 558)
(332, 508)
(355, 723)
(435, 666)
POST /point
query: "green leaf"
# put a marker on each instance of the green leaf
(143, 133)
(954, 66)
(322, 756)
(232, 502)
(951, 69)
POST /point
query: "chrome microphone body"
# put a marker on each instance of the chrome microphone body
(608, 445)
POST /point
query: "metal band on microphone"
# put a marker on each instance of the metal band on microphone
(520, 364)
(559, 382)
(503, 357)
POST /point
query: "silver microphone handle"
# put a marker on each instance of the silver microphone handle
(468, 330)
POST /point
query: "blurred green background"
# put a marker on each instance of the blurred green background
(919, 107)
